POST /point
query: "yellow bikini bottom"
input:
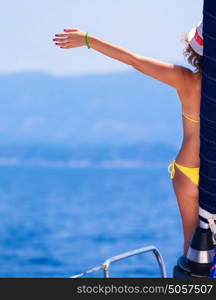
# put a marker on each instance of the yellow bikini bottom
(191, 173)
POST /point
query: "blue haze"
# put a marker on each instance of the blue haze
(119, 108)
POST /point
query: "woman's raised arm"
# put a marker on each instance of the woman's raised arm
(170, 74)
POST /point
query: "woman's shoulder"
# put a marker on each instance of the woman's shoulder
(191, 84)
(190, 80)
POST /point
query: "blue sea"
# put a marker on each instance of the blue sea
(65, 211)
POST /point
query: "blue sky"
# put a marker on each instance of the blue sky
(150, 28)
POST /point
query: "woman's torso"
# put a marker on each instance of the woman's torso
(190, 96)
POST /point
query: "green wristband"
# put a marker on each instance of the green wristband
(87, 40)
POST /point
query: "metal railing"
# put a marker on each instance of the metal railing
(106, 265)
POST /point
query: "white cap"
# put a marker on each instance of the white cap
(195, 38)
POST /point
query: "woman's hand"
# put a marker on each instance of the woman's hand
(71, 38)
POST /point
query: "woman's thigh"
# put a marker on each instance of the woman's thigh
(187, 195)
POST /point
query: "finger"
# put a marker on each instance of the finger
(61, 34)
(60, 39)
(67, 47)
(71, 30)
(62, 44)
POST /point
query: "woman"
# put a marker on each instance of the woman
(188, 86)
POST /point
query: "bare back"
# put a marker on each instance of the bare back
(190, 97)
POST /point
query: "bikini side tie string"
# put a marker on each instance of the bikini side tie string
(171, 169)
